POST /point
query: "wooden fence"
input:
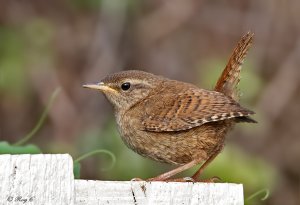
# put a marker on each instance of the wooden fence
(48, 179)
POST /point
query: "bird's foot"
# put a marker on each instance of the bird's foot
(155, 179)
(184, 179)
(137, 179)
(209, 180)
(190, 179)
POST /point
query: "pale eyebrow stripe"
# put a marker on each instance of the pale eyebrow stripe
(137, 82)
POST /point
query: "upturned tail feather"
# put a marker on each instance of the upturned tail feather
(230, 76)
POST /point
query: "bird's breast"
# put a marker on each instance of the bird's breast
(171, 147)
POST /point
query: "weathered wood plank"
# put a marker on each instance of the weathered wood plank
(116, 192)
(36, 179)
(48, 179)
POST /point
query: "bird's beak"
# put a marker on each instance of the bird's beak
(99, 86)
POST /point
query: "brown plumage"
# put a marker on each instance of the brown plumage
(176, 122)
(230, 77)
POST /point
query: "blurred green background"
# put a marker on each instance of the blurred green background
(66, 43)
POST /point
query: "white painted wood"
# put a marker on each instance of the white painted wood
(36, 179)
(133, 193)
(48, 179)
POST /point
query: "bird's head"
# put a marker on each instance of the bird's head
(126, 88)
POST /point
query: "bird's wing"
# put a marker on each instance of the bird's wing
(191, 107)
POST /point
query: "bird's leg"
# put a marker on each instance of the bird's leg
(195, 177)
(167, 175)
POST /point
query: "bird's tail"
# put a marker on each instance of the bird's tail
(230, 77)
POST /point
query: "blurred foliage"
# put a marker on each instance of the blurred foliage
(41, 121)
(86, 4)
(6, 148)
(12, 60)
(264, 194)
(76, 170)
(77, 166)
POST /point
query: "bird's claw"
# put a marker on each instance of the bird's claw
(188, 179)
(136, 179)
(210, 180)
(184, 179)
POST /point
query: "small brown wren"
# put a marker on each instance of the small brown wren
(176, 122)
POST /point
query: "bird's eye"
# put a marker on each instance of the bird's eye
(125, 86)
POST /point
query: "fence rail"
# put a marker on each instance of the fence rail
(48, 179)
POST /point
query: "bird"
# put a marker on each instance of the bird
(177, 122)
